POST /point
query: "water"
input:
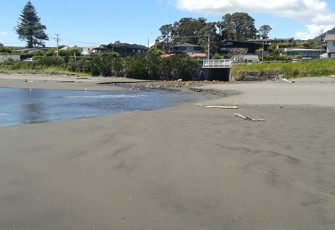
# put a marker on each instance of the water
(24, 106)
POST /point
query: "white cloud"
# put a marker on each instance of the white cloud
(314, 13)
(304, 10)
(312, 31)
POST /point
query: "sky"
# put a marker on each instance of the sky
(92, 23)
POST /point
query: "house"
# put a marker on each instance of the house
(330, 40)
(228, 46)
(124, 49)
(84, 50)
(31, 50)
(66, 48)
(273, 40)
(100, 49)
(191, 50)
(185, 48)
(304, 53)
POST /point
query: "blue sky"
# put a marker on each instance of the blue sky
(91, 23)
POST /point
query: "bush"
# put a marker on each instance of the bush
(4, 50)
(106, 64)
(179, 67)
(137, 69)
(81, 65)
(50, 61)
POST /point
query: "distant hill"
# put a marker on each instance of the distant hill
(316, 40)
(332, 31)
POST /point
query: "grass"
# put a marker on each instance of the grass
(264, 71)
(25, 69)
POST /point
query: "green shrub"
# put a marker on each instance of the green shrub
(137, 69)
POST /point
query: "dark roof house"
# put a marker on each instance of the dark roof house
(124, 49)
(31, 50)
(227, 46)
(185, 48)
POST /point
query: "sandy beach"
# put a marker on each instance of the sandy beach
(188, 167)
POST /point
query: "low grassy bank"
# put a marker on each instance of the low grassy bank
(45, 72)
(24, 68)
(262, 71)
(273, 70)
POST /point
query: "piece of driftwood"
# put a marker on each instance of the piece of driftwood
(223, 106)
(247, 118)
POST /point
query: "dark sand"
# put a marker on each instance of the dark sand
(188, 167)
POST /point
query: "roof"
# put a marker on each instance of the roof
(270, 39)
(185, 45)
(66, 48)
(300, 49)
(330, 37)
(127, 45)
(198, 55)
(195, 55)
(166, 55)
(30, 50)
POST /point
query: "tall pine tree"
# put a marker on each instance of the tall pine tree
(29, 27)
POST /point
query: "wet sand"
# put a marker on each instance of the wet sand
(188, 167)
(61, 82)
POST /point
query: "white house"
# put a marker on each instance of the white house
(304, 53)
(85, 50)
(330, 39)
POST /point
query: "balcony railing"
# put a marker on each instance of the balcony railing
(217, 63)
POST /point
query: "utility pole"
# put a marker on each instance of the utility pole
(148, 40)
(262, 49)
(57, 40)
(208, 52)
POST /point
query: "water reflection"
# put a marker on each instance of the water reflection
(21, 106)
(33, 112)
(33, 109)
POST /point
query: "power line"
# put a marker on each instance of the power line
(70, 40)
(92, 43)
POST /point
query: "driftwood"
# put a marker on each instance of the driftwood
(223, 106)
(247, 118)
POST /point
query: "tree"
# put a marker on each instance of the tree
(264, 31)
(167, 34)
(187, 30)
(3, 49)
(238, 54)
(208, 33)
(275, 51)
(29, 27)
(238, 26)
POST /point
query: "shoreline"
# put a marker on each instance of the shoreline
(186, 167)
(57, 82)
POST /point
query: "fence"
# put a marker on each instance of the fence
(217, 63)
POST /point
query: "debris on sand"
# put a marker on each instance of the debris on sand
(223, 106)
(247, 118)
